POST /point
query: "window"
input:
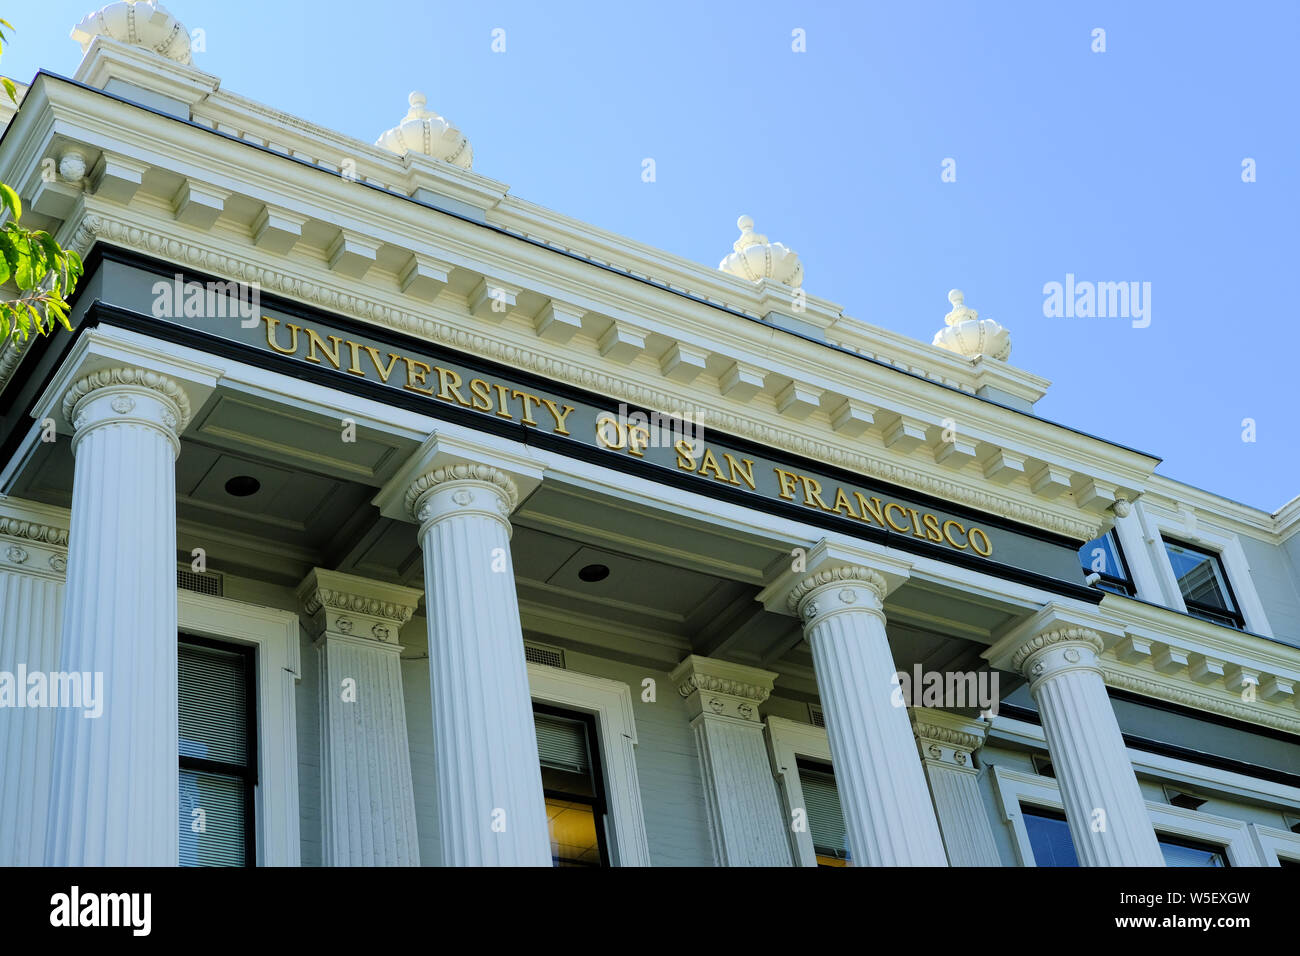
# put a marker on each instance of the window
(1203, 584)
(573, 785)
(218, 753)
(825, 817)
(1104, 557)
(1049, 836)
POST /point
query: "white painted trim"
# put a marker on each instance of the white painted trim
(611, 703)
(1273, 844)
(1227, 545)
(1015, 786)
(1171, 769)
(787, 740)
(275, 634)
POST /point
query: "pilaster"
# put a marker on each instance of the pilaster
(745, 819)
(948, 744)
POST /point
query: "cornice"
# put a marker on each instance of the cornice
(746, 424)
(1276, 716)
(1013, 465)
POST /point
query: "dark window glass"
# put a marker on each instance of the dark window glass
(573, 785)
(825, 816)
(217, 749)
(1104, 557)
(1288, 864)
(1049, 838)
(1203, 584)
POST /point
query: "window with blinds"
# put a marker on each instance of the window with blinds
(573, 786)
(217, 746)
(825, 816)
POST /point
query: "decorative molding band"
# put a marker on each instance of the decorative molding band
(44, 533)
(461, 471)
(711, 684)
(1265, 715)
(399, 614)
(318, 292)
(1078, 635)
(141, 378)
(845, 573)
(946, 735)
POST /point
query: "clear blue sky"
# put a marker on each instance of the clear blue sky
(1115, 166)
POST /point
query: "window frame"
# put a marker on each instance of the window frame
(787, 741)
(610, 704)
(1016, 787)
(275, 635)
(600, 802)
(1236, 614)
(1275, 844)
(1127, 585)
(248, 773)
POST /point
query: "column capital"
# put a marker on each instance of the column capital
(863, 574)
(721, 688)
(1056, 637)
(443, 473)
(338, 604)
(946, 739)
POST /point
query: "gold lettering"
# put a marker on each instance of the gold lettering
(638, 439)
(527, 416)
(842, 501)
(787, 481)
(988, 545)
(559, 416)
(871, 510)
(482, 393)
(314, 341)
(502, 410)
(812, 491)
(605, 422)
(916, 523)
(270, 335)
(449, 386)
(948, 534)
(710, 463)
(383, 372)
(413, 379)
(932, 528)
(746, 474)
(355, 366)
(685, 455)
(890, 521)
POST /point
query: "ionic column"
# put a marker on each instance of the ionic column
(1107, 815)
(114, 789)
(882, 789)
(948, 744)
(491, 811)
(367, 799)
(32, 562)
(745, 818)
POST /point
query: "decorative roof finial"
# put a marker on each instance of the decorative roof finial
(970, 336)
(144, 23)
(755, 258)
(424, 131)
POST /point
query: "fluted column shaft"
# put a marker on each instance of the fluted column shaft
(1107, 815)
(30, 615)
(745, 819)
(114, 789)
(491, 810)
(367, 797)
(887, 810)
(948, 756)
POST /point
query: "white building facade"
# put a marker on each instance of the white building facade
(375, 516)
